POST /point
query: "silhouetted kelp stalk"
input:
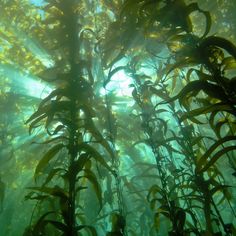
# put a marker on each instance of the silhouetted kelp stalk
(156, 129)
(118, 218)
(206, 188)
(67, 114)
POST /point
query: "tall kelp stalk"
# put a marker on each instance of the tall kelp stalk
(68, 115)
(155, 129)
(118, 216)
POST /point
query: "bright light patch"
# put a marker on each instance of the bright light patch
(98, 9)
(119, 84)
(35, 88)
(38, 2)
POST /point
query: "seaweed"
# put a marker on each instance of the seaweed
(156, 160)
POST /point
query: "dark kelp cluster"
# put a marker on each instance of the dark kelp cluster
(153, 165)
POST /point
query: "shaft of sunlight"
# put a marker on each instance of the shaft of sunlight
(36, 49)
(24, 83)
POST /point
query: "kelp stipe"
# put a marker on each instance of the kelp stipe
(67, 115)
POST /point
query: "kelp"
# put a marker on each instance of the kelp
(177, 129)
(140, 21)
(207, 51)
(66, 113)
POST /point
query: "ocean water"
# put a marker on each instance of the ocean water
(117, 118)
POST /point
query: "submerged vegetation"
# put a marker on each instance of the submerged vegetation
(130, 107)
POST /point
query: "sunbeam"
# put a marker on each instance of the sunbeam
(24, 83)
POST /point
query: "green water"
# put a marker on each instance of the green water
(117, 118)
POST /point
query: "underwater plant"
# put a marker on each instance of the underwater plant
(134, 130)
(67, 115)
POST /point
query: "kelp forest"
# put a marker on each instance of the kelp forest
(117, 117)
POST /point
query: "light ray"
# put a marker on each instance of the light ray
(25, 84)
(32, 45)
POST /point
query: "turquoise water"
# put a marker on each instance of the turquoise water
(117, 118)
